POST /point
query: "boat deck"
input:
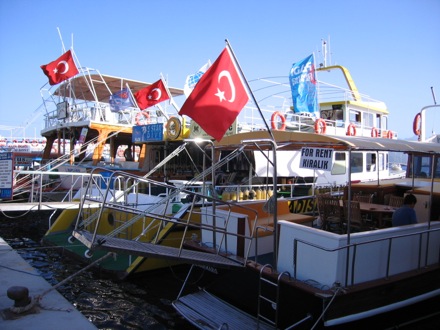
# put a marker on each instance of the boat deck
(209, 312)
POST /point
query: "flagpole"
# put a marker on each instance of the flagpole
(61, 38)
(172, 102)
(249, 89)
(133, 99)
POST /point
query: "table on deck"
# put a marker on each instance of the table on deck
(377, 210)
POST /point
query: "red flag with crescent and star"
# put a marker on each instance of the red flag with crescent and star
(151, 95)
(61, 69)
(218, 97)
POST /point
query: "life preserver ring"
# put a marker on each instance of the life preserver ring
(320, 126)
(390, 134)
(14, 141)
(34, 143)
(416, 124)
(374, 132)
(173, 128)
(274, 122)
(142, 118)
(351, 130)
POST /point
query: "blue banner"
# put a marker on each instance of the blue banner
(120, 100)
(303, 84)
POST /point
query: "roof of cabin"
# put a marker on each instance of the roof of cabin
(295, 140)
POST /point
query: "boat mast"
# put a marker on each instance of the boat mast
(324, 52)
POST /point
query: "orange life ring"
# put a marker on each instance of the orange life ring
(390, 134)
(273, 122)
(374, 132)
(351, 130)
(320, 126)
(142, 118)
(416, 124)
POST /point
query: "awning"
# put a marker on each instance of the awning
(92, 87)
(296, 140)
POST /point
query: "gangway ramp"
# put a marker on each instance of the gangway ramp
(120, 245)
(207, 311)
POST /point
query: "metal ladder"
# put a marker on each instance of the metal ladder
(268, 296)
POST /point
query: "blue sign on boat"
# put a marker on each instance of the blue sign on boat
(6, 175)
(146, 133)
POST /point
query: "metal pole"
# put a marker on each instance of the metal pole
(249, 89)
(214, 240)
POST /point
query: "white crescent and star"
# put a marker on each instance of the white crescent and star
(66, 67)
(159, 94)
(221, 94)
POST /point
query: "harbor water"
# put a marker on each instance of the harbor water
(140, 303)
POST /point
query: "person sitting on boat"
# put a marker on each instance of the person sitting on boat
(405, 215)
(128, 154)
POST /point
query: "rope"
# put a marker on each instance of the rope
(39, 297)
(327, 307)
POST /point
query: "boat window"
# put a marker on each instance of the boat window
(423, 165)
(339, 165)
(381, 162)
(377, 121)
(384, 123)
(371, 162)
(356, 162)
(339, 117)
(368, 119)
(355, 117)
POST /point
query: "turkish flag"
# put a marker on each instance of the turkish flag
(151, 95)
(218, 97)
(61, 69)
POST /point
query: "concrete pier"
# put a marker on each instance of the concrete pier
(52, 311)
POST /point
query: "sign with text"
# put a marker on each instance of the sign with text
(198, 132)
(145, 133)
(316, 158)
(23, 161)
(6, 175)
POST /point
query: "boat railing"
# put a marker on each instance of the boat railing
(43, 186)
(425, 253)
(101, 112)
(243, 192)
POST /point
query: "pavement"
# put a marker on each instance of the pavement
(51, 311)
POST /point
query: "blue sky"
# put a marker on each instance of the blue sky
(391, 47)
